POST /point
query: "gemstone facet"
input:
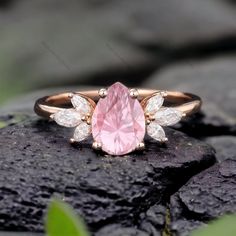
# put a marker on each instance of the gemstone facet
(82, 132)
(156, 132)
(154, 104)
(80, 104)
(68, 118)
(118, 121)
(168, 116)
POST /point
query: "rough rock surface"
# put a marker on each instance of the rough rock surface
(118, 230)
(205, 197)
(57, 42)
(36, 162)
(214, 81)
(154, 220)
(225, 147)
(20, 234)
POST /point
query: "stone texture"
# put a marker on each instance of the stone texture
(225, 147)
(57, 42)
(214, 81)
(37, 162)
(118, 230)
(171, 25)
(25, 103)
(154, 220)
(19, 234)
(205, 197)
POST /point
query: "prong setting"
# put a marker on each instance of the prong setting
(87, 118)
(52, 116)
(102, 93)
(164, 94)
(97, 146)
(149, 116)
(164, 140)
(72, 141)
(70, 95)
(134, 93)
(140, 146)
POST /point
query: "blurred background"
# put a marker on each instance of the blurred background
(189, 45)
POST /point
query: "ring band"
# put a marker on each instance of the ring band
(186, 102)
(90, 106)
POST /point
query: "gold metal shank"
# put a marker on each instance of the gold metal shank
(184, 102)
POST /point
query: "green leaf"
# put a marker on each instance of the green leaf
(224, 226)
(62, 221)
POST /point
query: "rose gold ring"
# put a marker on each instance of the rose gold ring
(117, 117)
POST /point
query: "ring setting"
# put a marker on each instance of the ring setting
(118, 118)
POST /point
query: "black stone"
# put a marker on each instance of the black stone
(37, 162)
(19, 234)
(108, 40)
(205, 197)
(118, 230)
(214, 81)
(154, 220)
(225, 147)
(204, 124)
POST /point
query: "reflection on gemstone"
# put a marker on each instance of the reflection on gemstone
(118, 122)
(82, 132)
(80, 104)
(156, 132)
(68, 118)
(154, 104)
(168, 116)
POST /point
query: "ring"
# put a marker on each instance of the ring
(118, 117)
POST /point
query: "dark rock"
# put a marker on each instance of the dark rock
(205, 124)
(214, 81)
(25, 103)
(154, 220)
(205, 197)
(57, 42)
(171, 25)
(19, 234)
(53, 42)
(5, 3)
(118, 230)
(225, 147)
(7, 120)
(37, 162)
(231, 1)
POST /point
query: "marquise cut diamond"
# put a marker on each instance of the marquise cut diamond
(80, 104)
(167, 116)
(68, 118)
(156, 132)
(154, 104)
(82, 132)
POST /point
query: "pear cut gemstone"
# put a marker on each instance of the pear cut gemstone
(118, 122)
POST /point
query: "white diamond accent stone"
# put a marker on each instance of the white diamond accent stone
(82, 132)
(68, 118)
(168, 116)
(154, 104)
(156, 132)
(81, 104)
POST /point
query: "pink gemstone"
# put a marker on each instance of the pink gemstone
(118, 122)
